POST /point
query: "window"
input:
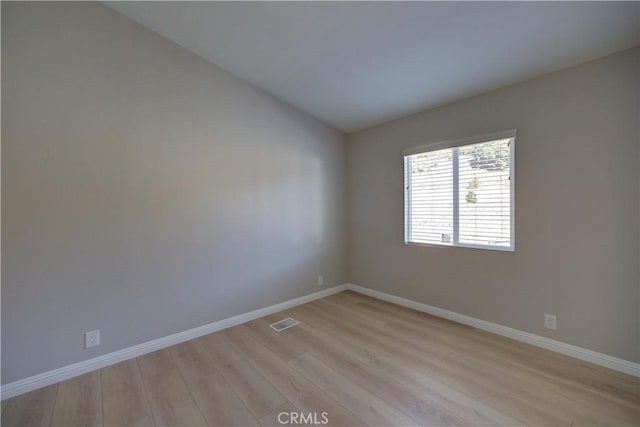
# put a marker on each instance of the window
(460, 193)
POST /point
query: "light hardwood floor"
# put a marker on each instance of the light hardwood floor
(360, 360)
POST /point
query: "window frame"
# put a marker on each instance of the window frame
(450, 144)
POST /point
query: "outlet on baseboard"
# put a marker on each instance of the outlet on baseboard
(92, 338)
(320, 280)
(550, 321)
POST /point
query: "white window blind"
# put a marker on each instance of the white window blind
(460, 193)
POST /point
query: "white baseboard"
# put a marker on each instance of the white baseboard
(607, 361)
(51, 377)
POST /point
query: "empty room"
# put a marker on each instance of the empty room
(320, 213)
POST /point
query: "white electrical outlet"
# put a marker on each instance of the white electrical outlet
(320, 280)
(550, 321)
(92, 338)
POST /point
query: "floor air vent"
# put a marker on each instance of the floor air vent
(283, 324)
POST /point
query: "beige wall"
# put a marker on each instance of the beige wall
(576, 209)
(146, 191)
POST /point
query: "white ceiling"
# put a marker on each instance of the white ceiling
(356, 64)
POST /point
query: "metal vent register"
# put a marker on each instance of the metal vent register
(283, 324)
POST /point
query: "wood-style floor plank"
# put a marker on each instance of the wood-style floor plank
(426, 390)
(354, 358)
(251, 386)
(79, 401)
(274, 341)
(170, 399)
(434, 333)
(395, 348)
(219, 403)
(577, 403)
(476, 346)
(421, 408)
(384, 309)
(193, 360)
(598, 379)
(476, 354)
(366, 406)
(124, 401)
(30, 409)
(380, 332)
(527, 392)
(297, 389)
